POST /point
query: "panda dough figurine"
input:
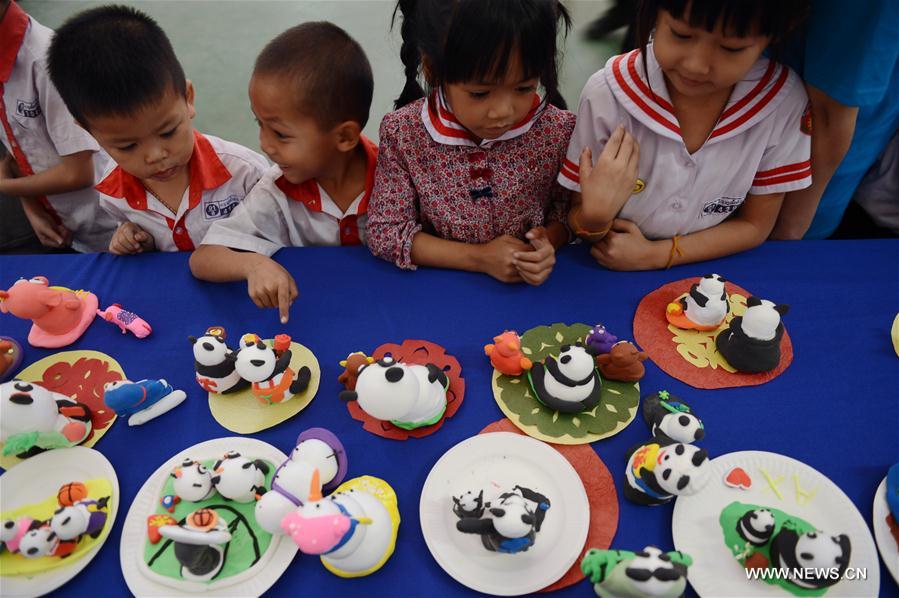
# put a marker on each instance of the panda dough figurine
(200, 544)
(238, 478)
(815, 550)
(671, 418)
(704, 308)
(85, 517)
(569, 382)
(26, 409)
(648, 572)
(407, 395)
(751, 343)
(273, 380)
(661, 469)
(192, 481)
(757, 526)
(214, 363)
(506, 525)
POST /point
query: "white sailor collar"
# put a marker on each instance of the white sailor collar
(444, 128)
(752, 100)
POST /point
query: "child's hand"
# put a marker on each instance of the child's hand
(498, 258)
(535, 265)
(625, 248)
(270, 285)
(129, 238)
(606, 187)
(48, 232)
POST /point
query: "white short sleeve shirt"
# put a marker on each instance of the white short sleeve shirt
(37, 128)
(278, 213)
(221, 175)
(761, 144)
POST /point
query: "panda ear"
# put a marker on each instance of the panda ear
(526, 518)
(260, 345)
(710, 276)
(753, 301)
(722, 279)
(349, 395)
(782, 309)
(683, 482)
(497, 512)
(192, 339)
(456, 501)
(699, 457)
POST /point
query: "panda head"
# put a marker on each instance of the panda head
(512, 516)
(575, 362)
(681, 427)
(682, 469)
(761, 521)
(652, 573)
(256, 361)
(210, 350)
(387, 389)
(712, 285)
(762, 317)
(468, 503)
(38, 541)
(70, 522)
(26, 407)
(813, 550)
(193, 480)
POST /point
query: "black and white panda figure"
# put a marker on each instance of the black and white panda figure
(751, 343)
(238, 478)
(512, 521)
(38, 541)
(200, 544)
(192, 481)
(214, 363)
(269, 372)
(469, 504)
(648, 572)
(409, 395)
(661, 469)
(813, 551)
(756, 527)
(670, 417)
(569, 382)
(706, 304)
(85, 517)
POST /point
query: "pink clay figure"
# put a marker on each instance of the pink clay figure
(60, 315)
(126, 320)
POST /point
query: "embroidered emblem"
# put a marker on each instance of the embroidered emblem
(722, 205)
(28, 109)
(213, 210)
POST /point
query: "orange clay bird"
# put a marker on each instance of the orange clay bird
(505, 354)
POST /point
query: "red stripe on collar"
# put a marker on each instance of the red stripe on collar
(206, 172)
(308, 193)
(12, 34)
(441, 118)
(635, 97)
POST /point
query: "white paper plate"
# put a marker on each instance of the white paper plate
(499, 461)
(134, 533)
(33, 480)
(889, 551)
(715, 572)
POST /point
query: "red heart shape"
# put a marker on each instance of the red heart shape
(738, 478)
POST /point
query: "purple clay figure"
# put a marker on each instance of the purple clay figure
(599, 340)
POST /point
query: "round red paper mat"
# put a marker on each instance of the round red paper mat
(653, 336)
(418, 352)
(600, 494)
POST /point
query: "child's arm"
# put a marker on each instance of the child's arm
(496, 258)
(607, 185)
(129, 239)
(625, 247)
(269, 284)
(48, 232)
(74, 171)
(834, 126)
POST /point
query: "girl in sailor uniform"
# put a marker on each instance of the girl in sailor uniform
(684, 148)
(466, 170)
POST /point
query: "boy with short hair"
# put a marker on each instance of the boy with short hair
(50, 162)
(311, 91)
(118, 74)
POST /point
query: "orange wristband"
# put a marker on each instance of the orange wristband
(675, 250)
(583, 233)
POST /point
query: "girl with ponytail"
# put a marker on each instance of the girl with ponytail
(466, 175)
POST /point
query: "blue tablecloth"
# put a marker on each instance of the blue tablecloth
(836, 407)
